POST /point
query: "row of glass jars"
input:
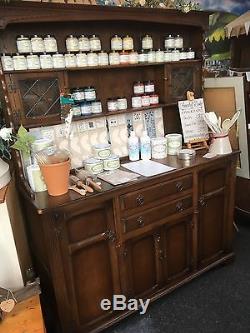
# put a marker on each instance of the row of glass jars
(36, 44)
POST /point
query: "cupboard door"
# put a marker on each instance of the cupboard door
(90, 263)
(212, 224)
(142, 266)
(177, 249)
(180, 78)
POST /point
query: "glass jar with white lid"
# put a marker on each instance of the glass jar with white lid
(159, 56)
(7, 62)
(168, 55)
(95, 43)
(151, 56)
(84, 43)
(33, 61)
(92, 59)
(128, 43)
(81, 59)
(19, 62)
(46, 61)
(23, 44)
(116, 43)
(175, 55)
(114, 58)
(178, 42)
(103, 58)
(70, 60)
(58, 60)
(37, 44)
(50, 44)
(72, 44)
(169, 42)
(147, 42)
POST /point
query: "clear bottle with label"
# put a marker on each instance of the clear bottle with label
(103, 58)
(92, 59)
(138, 88)
(154, 99)
(114, 58)
(81, 59)
(58, 60)
(83, 43)
(33, 61)
(70, 60)
(23, 44)
(46, 61)
(128, 43)
(72, 44)
(147, 42)
(90, 94)
(122, 103)
(86, 108)
(178, 42)
(136, 102)
(37, 44)
(145, 100)
(169, 42)
(50, 44)
(116, 43)
(145, 145)
(96, 106)
(133, 147)
(95, 43)
(19, 62)
(149, 87)
(7, 62)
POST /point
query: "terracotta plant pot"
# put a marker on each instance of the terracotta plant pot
(56, 177)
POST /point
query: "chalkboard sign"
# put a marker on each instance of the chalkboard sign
(192, 122)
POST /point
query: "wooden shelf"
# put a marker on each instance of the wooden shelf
(73, 69)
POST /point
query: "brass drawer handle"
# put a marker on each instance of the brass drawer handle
(179, 186)
(140, 200)
(140, 221)
(179, 206)
(202, 202)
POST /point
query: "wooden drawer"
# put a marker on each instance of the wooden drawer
(155, 214)
(148, 195)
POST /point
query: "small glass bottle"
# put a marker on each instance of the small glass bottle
(116, 43)
(145, 100)
(23, 44)
(114, 58)
(147, 42)
(19, 62)
(92, 59)
(95, 43)
(46, 61)
(58, 60)
(169, 42)
(83, 43)
(154, 99)
(7, 62)
(103, 58)
(37, 44)
(149, 87)
(81, 59)
(133, 57)
(72, 44)
(50, 44)
(33, 61)
(128, 43)
(138, 88)
(70, 60)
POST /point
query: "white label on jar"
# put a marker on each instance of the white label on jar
(145, 100)
(128, 43)
(103, 59)
(37, 45)
(111, 164)
(58, 61)
(154, 99)
(112, 106)
(70, 60)
(72, 44)
(84, 44)
(85, 109)
(78, 95)
(95, 44)
(114, 58)
(23, 45)
(149, 88)
(7, 63)
(33, 62)
(136, 102)
(20, 63)
(138, 89)
(92, 59)
(96, 107)
(143, 57)
(81, 60)
(90, 95)
(116, 44)
(50, 44)
(46, 61)
(122, 103)
(124, 58)
(147, 43)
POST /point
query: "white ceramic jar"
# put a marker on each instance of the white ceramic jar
(58, 60)
(70, 60)
(128, 43)
(81, 59)
(116, 43)
(92, 59)
(7, 62)
(23, 44)
(159, 149)
(178, 42)
(168, 55)
(175, 55)
(19, 62)
(72, 44)
(169, 42)
(151, 56)
(114, 58)
(136, 102)
(95, 43)
(103, 58)
(83, 43)
(50, 44)
(159, 56)
(37, 44)
(147, 42)
(46, 61)
(33, 61)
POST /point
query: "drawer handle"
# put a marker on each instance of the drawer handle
(140, 200)
(179, 186)
(140, 221)
(179, 206)
(202, 202)
(110, 235)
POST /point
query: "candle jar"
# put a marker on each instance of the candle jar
(169, 42)
(86, 108)
(133, 57)
(7, 62)
(154, 99)
(46, 61)
(58, 60)
(116, 43)
(81, 59)
(124, 57)
(19, 62)
(72, 44)
(128, 43)
(103, 58)
(90, 94)
(77, 94)
(96, 106)
(190, 54)
(95, 43)
(50, 44)
(178, 42)
(23, 44)
(143, 56)
(112, 104)
(183, 54)
(149, 87)
(114, 58)
(168, 55)
(151, 56)
(159, 56)
(136, 102)
(159, 148)
(145, 100)
(33, 61)
(83, 43)
(122, 103)
(70, 60)
(175, 55)
(174, 143)
(92, 59)
(37, 44)
(147, 42)
(76, 110)
(138, 88)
